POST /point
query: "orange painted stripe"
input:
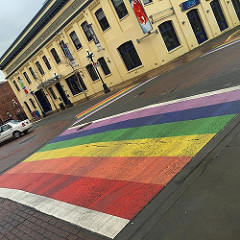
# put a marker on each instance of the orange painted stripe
(153, 170)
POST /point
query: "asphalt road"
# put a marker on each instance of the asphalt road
(201, 75)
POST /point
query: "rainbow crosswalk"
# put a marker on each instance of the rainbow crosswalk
(109, 100)
(111, 169)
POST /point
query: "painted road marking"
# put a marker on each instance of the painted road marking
(200, 100)
(83, 217)
(117, 165)
(224, 45)
(110, 100)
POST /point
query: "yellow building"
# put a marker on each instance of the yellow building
(47, 65)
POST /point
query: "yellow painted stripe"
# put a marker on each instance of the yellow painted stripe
(169, 146)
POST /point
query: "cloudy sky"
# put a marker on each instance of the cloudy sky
(14, 17)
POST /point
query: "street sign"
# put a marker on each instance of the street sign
(96, 64)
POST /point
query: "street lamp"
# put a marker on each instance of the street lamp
(90, 57)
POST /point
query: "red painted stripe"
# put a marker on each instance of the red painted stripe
(153, 170)
(119, 198)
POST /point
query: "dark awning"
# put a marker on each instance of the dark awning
(48, 82)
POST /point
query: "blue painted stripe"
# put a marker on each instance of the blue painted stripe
(184, 115)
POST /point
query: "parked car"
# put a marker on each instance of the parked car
(14, 129)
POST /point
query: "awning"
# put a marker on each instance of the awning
(48, 82)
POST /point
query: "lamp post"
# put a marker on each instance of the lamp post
(90, 57)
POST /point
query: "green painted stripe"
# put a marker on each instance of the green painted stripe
(210, 125)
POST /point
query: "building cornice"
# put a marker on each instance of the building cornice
(44, 20)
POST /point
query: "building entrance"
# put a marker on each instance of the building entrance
(236, 5)
(218, 13)
(62, 94)
(197, 26)
(42, 99)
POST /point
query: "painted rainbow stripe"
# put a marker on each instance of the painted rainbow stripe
(109, 100)
(233, 40)
(115, 166)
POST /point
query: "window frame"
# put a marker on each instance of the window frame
(86, 31)
(167, 32)
(73, 84)
(105, 68)
(39, 67)
(33, 73)
(16, 86)
(27, 77)
(100, 21)
(146, 3)
(92, 72)
(52, 93)
(135, 61)
(120, 15)
(76, 45)
(47, 63)
(55, 55)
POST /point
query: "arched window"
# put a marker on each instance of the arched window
(197, 26)
(169, 35)
(102, 19)
(120, 8)
(129, 55)
(104, 66)
(86, 31)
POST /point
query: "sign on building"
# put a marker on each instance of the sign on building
(189, 4)
(141, 16)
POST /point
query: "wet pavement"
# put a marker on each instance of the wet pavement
(47, 227)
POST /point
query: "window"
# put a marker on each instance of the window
(39, 67)
(46, 62)
(32, 102)
(29, 109)
(92, 72)
(102, 19)
(120, 8)
(84, 26)
(33, 73)
(169, 36)
(104, 66)
(147, 2)
(52, 93)
(55, 55)
(16, 86)
(75, 40)
(27, 77)
(76, 84)
(129, 55)
(66, 51)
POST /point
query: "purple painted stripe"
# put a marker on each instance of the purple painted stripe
(188, 104)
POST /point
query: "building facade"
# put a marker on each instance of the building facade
(73, 47)
(9, 107)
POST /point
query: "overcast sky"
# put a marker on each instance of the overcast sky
(14, 17)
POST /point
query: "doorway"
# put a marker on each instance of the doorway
(62, 93)
(218, 13)
(236, 5)
(42, 99)
(197, 26)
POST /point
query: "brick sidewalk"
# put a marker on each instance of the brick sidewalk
(21, 222)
